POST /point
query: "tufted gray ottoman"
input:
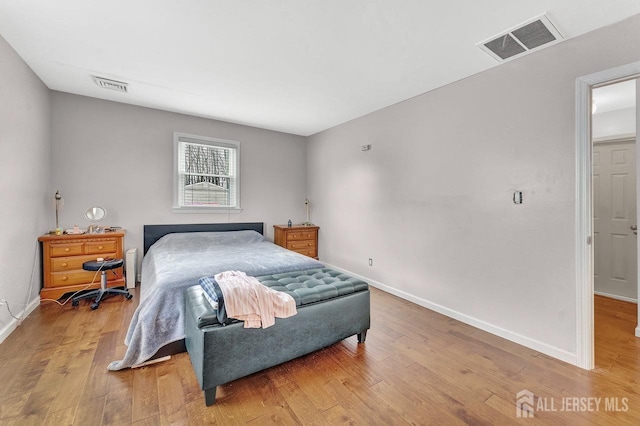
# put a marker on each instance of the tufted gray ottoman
(331, 306)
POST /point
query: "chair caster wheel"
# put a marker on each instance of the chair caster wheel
(74, 303)
(94, 306)
(129, 296)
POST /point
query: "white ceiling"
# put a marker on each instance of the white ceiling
(297, 66)
(615, 97)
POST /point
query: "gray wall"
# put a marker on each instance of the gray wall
(120, 157)
(431, 203)
(25, 171)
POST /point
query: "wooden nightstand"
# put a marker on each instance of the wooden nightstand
(299, 238)
(63, 256)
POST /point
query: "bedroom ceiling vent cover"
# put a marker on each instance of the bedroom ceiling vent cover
(106, 83)
(529, 36)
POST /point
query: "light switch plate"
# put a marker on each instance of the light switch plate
(517, 197)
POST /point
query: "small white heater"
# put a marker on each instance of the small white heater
(131, 265)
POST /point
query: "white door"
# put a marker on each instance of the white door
(614, 211)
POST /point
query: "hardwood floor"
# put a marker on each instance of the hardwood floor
(417, 367)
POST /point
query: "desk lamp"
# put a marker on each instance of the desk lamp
(59, 202)
(308, 222)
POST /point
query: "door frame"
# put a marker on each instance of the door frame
(585, 357)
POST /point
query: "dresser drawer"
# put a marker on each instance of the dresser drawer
(311, 251)
(59, 279)
(73, 277)
(100, 247)
(301, 245)
(302, 235)
(60, 264)
(68, 249)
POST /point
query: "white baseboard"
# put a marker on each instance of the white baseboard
(536, 345)
(615, 296)
(13, 324)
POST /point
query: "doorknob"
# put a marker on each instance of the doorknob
(634, 228)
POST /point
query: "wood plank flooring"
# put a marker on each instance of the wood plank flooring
(417, 367)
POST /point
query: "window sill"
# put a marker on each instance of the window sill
(210, 210)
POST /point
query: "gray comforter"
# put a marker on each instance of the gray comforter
(177, 261)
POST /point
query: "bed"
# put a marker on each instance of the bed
(176, 256)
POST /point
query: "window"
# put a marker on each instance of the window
(206, 173)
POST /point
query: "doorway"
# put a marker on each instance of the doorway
(614, 191)
(614, 199)
(584, 208)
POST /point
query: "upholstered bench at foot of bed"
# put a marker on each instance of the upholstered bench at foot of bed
(220, 354)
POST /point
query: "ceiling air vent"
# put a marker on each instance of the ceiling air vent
(106, 83)
(532, 35)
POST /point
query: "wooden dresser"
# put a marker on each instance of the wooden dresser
(63, 256)
(299, 238)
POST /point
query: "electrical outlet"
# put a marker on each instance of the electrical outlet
(370, 262)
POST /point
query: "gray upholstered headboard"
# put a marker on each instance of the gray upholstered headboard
(153, 233)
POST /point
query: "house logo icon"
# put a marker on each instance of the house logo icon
(524, 404)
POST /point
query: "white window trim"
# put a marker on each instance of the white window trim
(177, 137)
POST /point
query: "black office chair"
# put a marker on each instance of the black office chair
(102, 266)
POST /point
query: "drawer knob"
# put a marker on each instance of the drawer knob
(66, 249)
(65, 264)
(65, 278)
(100, 247)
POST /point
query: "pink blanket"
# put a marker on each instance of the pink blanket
(255, 304)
